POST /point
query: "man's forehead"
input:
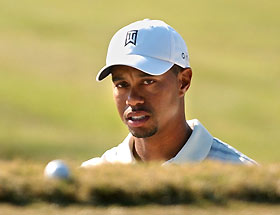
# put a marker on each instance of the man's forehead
(122, 71)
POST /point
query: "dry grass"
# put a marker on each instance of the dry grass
(23, 183)
(233, 209)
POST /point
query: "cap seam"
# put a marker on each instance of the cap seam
(170, 48)
(169, 61)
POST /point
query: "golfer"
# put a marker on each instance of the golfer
(149, 65)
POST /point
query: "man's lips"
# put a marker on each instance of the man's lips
(137, 118)
(136, 114)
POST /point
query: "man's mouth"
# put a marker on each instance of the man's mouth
(137, 118)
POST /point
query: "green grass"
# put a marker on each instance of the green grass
(50, 52)
(23, 183)
(140, 189)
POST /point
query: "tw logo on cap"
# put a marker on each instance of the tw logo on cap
(131, 37)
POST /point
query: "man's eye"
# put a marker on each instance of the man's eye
(121, 85)
(146, 82)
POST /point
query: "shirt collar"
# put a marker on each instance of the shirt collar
(125, 151)
(196, 148)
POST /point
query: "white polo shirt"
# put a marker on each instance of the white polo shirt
(200, 146)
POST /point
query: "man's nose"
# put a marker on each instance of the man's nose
(134, 98)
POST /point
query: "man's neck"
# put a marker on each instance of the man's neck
(163, 145)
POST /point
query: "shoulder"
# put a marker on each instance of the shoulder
(226, 153)
(108, 156)
(119, 154)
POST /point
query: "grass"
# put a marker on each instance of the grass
(23, 183)
(51, 107)
(235, 208)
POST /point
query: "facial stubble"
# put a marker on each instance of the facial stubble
(143, 132)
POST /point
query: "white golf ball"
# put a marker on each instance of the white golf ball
(57, 169)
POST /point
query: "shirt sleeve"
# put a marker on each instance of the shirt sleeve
(226, 153)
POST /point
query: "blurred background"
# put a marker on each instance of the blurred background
(50, 52)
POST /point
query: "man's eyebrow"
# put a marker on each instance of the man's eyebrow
(117, 78)
(143, 75)
(120, 78)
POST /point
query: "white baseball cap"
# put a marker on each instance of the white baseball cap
(150, 46)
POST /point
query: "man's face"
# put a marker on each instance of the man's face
(147, 104)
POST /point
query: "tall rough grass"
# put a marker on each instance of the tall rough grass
(24, 183)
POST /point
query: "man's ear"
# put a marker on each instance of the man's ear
(184, 77)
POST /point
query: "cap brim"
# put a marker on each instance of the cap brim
(149, 65)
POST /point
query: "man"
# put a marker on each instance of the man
(149, 64)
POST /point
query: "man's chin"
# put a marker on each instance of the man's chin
(143, 133)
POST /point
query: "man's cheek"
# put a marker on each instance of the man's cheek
(119, 106)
